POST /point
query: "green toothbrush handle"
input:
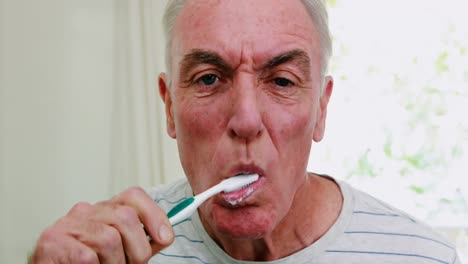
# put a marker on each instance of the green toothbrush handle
(178, 214)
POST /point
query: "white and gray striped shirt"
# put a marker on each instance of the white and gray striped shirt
(367, 231)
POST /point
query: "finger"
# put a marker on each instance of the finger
(79, 252)
(125, 219)
(56, 247)
(105, 240)
(156, 247)
(151, 215)
(81, 210)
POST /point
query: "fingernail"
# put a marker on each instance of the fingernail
(165, 234)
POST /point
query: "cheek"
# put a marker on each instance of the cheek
(198, 122)
(292, 130)
(292, 135)
(199, 130)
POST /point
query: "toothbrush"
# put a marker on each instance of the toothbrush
(187, 207)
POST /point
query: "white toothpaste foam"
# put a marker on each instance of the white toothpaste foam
(247, 194)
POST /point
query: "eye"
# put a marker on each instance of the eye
(208, 79)
(283, 82)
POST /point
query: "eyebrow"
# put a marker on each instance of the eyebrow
(299, 56)
(198, 56)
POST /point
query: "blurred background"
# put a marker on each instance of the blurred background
(81, 118)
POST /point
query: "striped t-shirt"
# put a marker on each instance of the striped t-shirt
(366, 231)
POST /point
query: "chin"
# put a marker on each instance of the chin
(242, 223)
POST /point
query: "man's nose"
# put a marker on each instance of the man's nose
(246, 117)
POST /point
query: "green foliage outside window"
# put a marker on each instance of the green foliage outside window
(398, 117)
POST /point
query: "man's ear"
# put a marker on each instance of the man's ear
(319, 130)
(165, 94)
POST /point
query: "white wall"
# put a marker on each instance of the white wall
(58, 113)
(2, 183)
(57, 108)
(2, 111)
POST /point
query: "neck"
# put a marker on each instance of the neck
(315, 208)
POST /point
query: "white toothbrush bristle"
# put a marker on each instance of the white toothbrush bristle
(239, 182)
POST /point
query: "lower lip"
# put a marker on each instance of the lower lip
(236, 197)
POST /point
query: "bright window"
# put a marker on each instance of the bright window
(398, 118)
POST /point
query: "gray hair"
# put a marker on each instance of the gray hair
(316, 9)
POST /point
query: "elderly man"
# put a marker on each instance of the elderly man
(246, 92)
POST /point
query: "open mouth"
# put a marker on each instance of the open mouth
(235, 198)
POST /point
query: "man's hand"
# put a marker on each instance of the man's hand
(108, 232)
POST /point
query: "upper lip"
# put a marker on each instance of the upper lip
(246, 168)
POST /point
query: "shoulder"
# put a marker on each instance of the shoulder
(376, 228)
(170, 194)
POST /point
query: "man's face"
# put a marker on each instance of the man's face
(245, 98)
